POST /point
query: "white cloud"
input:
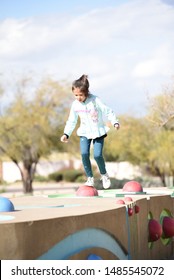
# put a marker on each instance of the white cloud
(121, 48)
(159, 64)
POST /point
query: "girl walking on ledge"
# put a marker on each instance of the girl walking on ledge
(91, 110)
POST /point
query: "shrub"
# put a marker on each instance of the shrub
(39, 178)
(81, 179)
(115, 184)
(56, 176)
(71, 175)
(3, 190)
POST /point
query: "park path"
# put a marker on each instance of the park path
(16, 189)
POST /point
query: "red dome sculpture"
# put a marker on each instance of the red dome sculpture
(87, 191)
(120, 201)
(132, 186)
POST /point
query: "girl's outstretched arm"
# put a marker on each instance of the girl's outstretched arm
(64, 138)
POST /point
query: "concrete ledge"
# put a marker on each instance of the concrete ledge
(57, 227)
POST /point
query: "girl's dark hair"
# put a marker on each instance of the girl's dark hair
(82, 83)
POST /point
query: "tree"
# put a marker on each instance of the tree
(148, 141)
(161, 108)
(31, 124)
(161, 156)
(131, 142)
(142, 144)
(161, 116)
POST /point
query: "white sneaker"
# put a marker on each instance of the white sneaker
(106, 181)
(90, 182)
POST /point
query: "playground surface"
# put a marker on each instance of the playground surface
(58, 224)
(62, 196)
(66, 188)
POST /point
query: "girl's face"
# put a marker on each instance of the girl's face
(80, 96)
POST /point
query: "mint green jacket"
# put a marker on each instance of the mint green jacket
(93, 114)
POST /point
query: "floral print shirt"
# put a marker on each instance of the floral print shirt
(91, 113)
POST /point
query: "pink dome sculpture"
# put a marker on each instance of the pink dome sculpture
(120, 201)
(87, 191)
(132, 186)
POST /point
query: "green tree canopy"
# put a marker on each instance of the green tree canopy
(131, 142)
(161, 108)
(31, 124)
(161, 116)
(141, 143)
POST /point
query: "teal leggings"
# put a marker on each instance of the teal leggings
(85, 145)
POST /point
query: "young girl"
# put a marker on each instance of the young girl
(91, 110)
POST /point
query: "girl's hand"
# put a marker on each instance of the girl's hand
(64, 139)
(116, 126)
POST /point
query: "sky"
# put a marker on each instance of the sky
(125, 47)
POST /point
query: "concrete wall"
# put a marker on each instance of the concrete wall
(10, 172)
(72, 228)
